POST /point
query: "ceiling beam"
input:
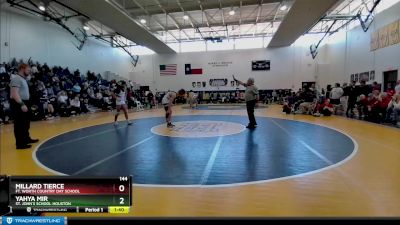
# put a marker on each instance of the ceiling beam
(204, 13)
(218, 24)
(302, 16)
(184, 12)
(240, 12)
(259, 10)
(141, 7)
(189, 6)
(222, 13)
(175, 22)
(119, 21)
(165, 29)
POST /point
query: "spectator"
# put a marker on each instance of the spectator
(345, 97)
(390, 91)
(274, 96)
(325, 108)
(76, 88)
(384, 100)
(362, 106)
(75, 105)
(5, 111)
(351, 92)
(328, 91)
(363, 89)
(150, 99)
(2, 69)
(335, 95)
(62, 99)
(397, 88)
(393, 110)
(373, 107)
(376, 86)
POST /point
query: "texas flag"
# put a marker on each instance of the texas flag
(189, 70)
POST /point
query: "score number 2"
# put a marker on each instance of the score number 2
(121, 188)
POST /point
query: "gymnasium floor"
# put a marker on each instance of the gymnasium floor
(210, 165)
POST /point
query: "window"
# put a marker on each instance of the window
(141, 50)
(197, 46)
(224, 45)
(247, 43)
(174, 46)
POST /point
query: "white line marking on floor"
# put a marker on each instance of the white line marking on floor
(338, 170)
(112, 156)
(210, 164)
(344, 161)
(81, 138)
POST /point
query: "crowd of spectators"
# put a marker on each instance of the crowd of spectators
(362, 101)
(56, 91)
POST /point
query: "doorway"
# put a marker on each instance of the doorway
(389, 79)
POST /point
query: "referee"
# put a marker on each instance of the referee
(251, 97)
(20, 107)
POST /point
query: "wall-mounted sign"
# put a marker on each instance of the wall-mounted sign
(220, 64)
(218, 82)
(260, 65)
(386, 36)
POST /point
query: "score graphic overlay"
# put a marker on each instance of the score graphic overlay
(70, 194)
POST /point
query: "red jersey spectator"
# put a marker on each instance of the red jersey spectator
(325, 108)
(376, 86)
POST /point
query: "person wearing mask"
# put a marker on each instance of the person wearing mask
(251, 97)
(19, 94)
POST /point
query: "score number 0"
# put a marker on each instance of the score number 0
(121, 188)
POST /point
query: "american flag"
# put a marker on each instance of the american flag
(168, 69)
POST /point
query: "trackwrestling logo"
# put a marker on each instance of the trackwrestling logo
(32, 220)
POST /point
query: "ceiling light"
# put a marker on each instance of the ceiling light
(42, 8)
(185, 17)
(232, 12)
(143, 21)
(86, 28)
(283, 8)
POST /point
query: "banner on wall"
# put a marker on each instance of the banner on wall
(384, 37)
(193, 69)
(220, 63)
(394, 37)
(260, 65)
(168, 69)
(374, 41)
(218, 82)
